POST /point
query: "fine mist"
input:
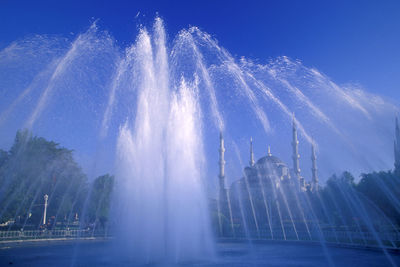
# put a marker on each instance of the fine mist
(160, 198)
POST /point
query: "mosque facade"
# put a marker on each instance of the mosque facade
(271, 195)
(269, 172)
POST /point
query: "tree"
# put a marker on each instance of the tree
(35, 167)
(383, 189)
(335, 197)
(100, 199)
(3, 157)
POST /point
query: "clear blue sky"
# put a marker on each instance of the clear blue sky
(350, 41)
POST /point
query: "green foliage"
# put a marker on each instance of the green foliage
(100, 199)
(3, 157)
(345, 179)
(342, 201)
(35, 167)
(336, 197)
(383, 189)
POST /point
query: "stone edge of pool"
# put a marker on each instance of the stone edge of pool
(5, 244)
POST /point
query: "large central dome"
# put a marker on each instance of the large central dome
(269, 159)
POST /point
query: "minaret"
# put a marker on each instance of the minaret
(295, 146)
(314, 179)
(251, 162)
(221, 163)
(296, 156)
(397, 148)
(223, 194)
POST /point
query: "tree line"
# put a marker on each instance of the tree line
(376, 195)
(34, 167)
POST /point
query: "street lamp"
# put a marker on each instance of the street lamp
(46, 197)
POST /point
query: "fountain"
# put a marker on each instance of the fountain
(161, 198)
(151, 112)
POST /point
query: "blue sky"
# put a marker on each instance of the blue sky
(351, 41)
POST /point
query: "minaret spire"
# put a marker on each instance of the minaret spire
(221, 162)
(296, 156)
(251, 162)
(223, 206)
(397, 148)
(269, 151)
(314, 180)
(295, 146)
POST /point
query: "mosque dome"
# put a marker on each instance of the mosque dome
(270, 159)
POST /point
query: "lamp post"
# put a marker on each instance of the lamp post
(46, 197)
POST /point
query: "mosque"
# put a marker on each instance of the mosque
(271, 194)
(267, 190)
(270, 173)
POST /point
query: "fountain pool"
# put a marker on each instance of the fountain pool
(96, 253)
